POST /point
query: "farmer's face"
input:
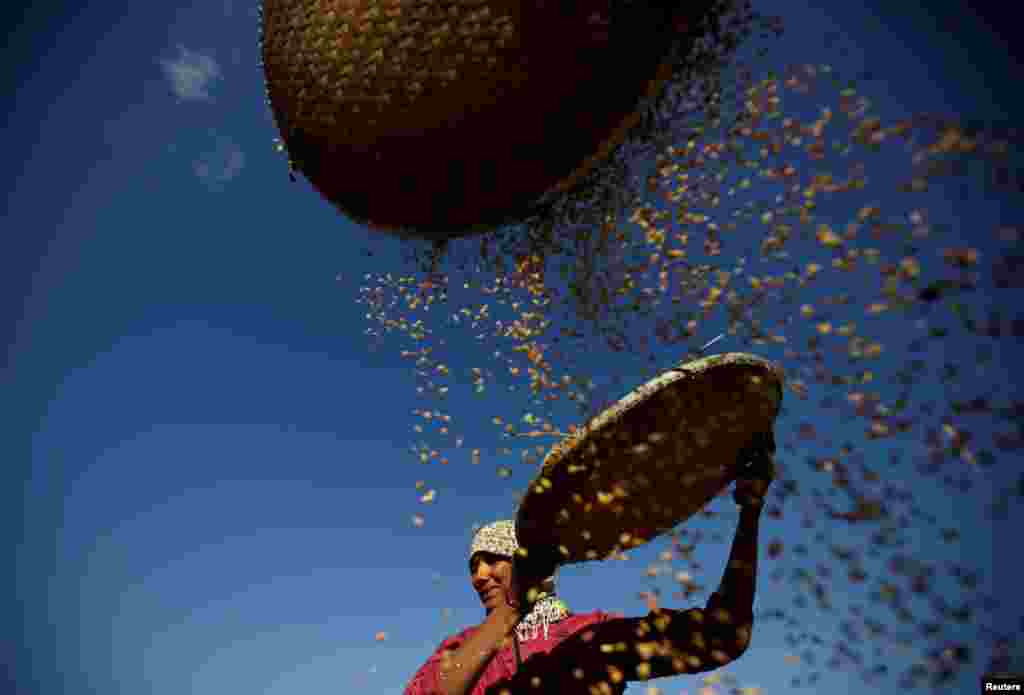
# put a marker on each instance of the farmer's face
(491, 576)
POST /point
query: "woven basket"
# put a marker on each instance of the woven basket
(440, 117)
(652, 460)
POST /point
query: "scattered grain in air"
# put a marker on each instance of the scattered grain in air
(822, 374)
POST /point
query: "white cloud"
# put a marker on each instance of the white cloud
(219, 166)
(191, 74)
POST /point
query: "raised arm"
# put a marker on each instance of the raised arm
(666, 642)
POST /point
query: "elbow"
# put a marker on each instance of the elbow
(719, 658)
(709, 642)
(733, 629)
(736, 642)
(741, 639)
(730, 645)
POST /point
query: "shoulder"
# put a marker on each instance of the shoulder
(598, 616)
(575, 622)
(619, 622)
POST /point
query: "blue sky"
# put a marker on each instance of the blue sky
(208, 484)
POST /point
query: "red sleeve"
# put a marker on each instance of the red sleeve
(425, 680)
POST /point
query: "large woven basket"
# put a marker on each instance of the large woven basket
(440, 117)
(652, 460)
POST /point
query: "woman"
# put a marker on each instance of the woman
(538, 646)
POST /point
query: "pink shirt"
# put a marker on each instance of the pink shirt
(503, 665)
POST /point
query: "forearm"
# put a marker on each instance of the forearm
(461, 669)
(735, 595)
